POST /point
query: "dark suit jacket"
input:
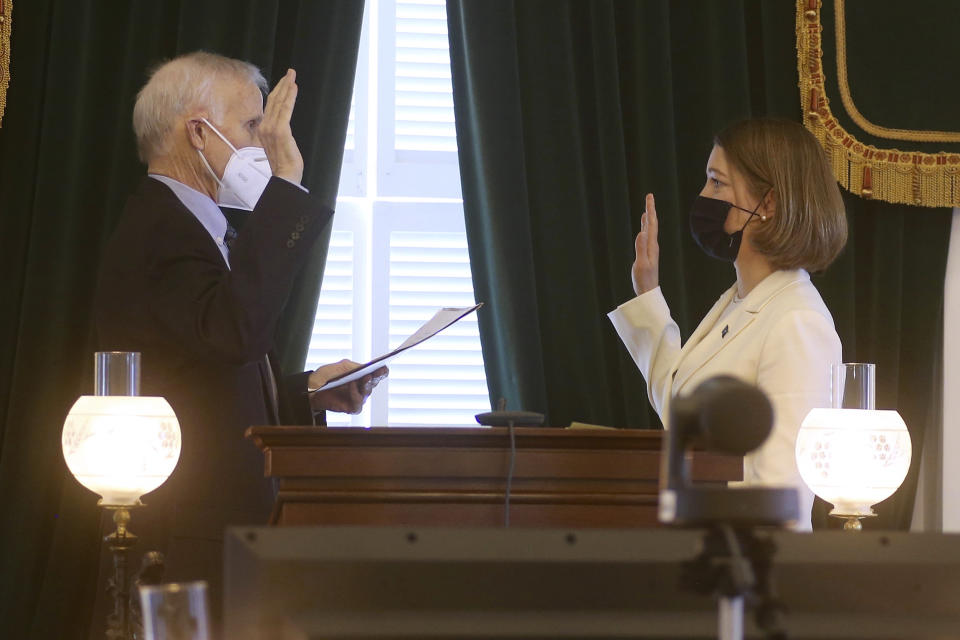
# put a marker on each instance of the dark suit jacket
(203, 330)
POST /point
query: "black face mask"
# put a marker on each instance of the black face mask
(707, 217)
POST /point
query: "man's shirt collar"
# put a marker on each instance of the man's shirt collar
(204, 210)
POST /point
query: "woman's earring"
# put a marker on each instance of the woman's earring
(763, 218)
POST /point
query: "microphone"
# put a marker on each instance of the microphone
(726, 415)
(723, 414)
(504, 418)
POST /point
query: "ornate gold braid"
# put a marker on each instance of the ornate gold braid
(891, 175)
(6, 23)
(909, 135)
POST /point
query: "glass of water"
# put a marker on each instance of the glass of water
(175, 611)
(853, 385)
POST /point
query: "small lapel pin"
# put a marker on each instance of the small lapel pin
(723, 334)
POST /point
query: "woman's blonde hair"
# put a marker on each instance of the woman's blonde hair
(809, 229)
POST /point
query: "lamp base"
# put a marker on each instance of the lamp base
(852, 520)
(122, 538)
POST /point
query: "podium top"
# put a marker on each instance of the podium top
(526, 437)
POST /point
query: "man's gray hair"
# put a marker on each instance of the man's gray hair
(179, 86)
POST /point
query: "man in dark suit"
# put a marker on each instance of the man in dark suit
(201, 302)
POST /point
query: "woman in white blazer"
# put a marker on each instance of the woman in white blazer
(770, 206)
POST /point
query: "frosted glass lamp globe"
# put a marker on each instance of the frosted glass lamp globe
(121, 447)
(853, 458)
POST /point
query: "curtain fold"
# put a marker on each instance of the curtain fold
(321, 40)
(67, 164)
(568, 112)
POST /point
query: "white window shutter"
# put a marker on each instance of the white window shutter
(399, 251)
(417, 134)
(333, 327)
(423, 94)
(442, 381)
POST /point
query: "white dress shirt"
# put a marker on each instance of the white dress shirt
(204, 209)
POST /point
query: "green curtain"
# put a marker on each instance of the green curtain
(67, 164)
(568, 112)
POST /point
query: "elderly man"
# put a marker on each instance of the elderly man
(201, 302)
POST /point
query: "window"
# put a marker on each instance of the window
(398, 250)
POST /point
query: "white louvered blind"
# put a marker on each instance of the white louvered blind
(423, 95)
(333, 328)
(394, 261)
(442, 381)
(416, 125)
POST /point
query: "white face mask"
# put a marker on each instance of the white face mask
(244, 178)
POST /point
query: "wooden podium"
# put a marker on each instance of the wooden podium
(458, 476)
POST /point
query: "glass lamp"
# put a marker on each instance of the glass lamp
(120, 445)
(853, 457)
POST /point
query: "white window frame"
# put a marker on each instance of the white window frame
(354, 215)
(403, 173)
(382, 193)
(390, 216)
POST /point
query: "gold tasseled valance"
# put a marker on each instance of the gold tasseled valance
(924, 166)
(6, 10)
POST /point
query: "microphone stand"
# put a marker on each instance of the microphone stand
(734, 563)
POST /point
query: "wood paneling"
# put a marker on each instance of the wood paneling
(458, 477)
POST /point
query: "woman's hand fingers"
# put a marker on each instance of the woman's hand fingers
(645, 272)
(653, 224)
(640, 242)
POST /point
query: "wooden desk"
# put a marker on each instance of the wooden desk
(457, 476)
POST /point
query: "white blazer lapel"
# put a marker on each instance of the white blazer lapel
(700, 334)
(716, 338)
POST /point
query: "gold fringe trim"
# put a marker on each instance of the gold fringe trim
(891, 175)
(6, 23)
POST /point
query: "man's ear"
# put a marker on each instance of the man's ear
(196, 132)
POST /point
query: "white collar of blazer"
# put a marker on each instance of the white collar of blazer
(717, 338)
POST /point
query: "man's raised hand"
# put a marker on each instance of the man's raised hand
(274, 130)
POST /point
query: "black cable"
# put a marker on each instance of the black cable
(740, 569)
(769, 610)
(513, 460)
(751, 575)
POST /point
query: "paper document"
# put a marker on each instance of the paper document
(440, 321)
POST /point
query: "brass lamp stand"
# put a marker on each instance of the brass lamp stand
(122, 445)
(125, 622)
(119, 622)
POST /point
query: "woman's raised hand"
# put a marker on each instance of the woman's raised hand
(646, 268)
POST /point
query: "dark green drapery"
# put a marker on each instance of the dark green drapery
(67, 163)
(568, 113)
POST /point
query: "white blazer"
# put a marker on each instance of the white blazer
(780, 337)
